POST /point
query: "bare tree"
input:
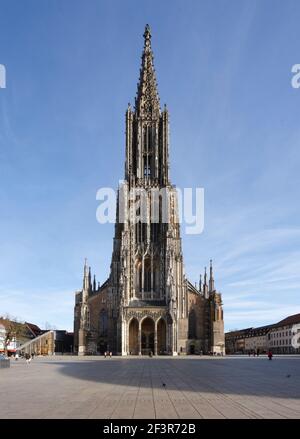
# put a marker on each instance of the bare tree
(13, 330)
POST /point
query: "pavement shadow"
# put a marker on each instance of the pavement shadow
(257, 377)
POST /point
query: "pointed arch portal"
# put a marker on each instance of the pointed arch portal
(148, 330)
(161, 337)
(148, 336)
(134, 337)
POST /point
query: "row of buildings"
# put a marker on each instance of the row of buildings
(13, 334)
(29, 338)
(280, 338)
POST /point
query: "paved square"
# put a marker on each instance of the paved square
(94, 387)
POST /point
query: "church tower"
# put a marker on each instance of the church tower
(147, 305)
(147, 282)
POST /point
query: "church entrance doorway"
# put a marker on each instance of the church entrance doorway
(148, 329)
(102, 347)
(161, 337)
(134, 337)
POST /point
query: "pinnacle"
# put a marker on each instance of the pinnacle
(147, 101)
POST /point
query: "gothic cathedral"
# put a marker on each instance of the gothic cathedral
(147, 305)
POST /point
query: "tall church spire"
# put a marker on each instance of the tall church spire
(86, 280)
(147, 128)
(205, 286)
(147, 101)
(211, 278)
(85, 275)
(90, 277)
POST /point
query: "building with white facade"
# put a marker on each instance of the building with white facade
(280, 338)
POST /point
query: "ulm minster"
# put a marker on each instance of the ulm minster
(147, 305)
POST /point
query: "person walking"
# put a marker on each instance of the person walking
(110, 354)
(270, 355)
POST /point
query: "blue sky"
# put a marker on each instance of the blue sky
(224, 70)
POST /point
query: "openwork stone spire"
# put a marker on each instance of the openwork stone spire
(147, 101)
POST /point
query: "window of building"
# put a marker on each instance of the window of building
(192, 324)
(147, 275)
(141, 232)
(103, 323)
(147, 170)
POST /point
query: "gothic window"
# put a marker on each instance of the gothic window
(88, 320)
(155, 286)
(154, 232)
(147, 275)
(192, 324)
(147, 168)
(138, 232)
(147, 151)
(141, 232)
(103, 323)
(138, 279)
(145, 138)
(149, 138)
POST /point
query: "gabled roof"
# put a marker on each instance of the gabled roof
(100, 289)
(105, 283)
(33, 328)
(238, 332)
(290, 320)
(192, 288)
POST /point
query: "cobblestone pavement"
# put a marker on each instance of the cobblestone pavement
(195, 387)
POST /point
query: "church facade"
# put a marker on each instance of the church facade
(147, 305)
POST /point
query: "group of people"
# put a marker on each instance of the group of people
(256, 353)
(28, 357)
(107, 354)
